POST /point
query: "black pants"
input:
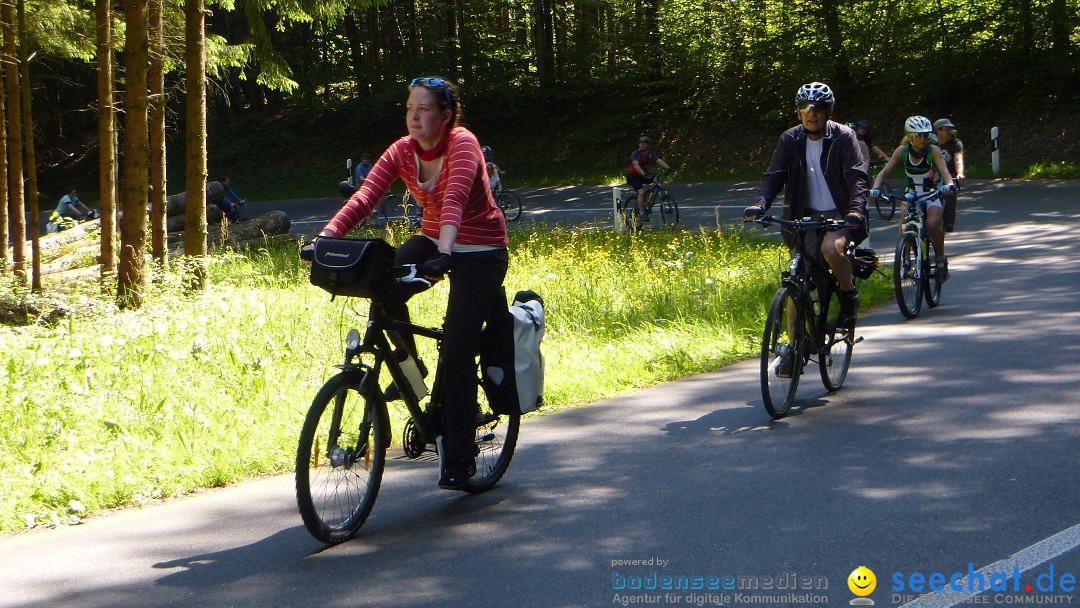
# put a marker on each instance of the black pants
(948, 213)
(475, 288)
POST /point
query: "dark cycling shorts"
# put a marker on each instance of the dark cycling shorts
(637, 182)
(813, 244)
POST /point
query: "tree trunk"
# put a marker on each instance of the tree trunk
(157, 134)
(195, 140)
(14, 143)
(5, 213)
(31, 160)
(131, 272)
(106, 142)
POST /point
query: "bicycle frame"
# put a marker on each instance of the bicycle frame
(915, 223)
(377, 343)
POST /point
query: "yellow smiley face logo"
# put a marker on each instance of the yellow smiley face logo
(862, 581)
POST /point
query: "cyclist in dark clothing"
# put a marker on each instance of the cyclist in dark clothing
(820, 168)
(862, 131)
(637, 174)
(952, 150)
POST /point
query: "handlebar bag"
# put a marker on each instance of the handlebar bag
(351, 267)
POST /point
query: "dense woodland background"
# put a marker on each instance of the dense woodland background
(562, 88)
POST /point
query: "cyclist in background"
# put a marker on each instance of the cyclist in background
(925, 169)
(637, 174)
(361, 170)
(494, 173)
(821, 169)
(952, 149)
(862, 131)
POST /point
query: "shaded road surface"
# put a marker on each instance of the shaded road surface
(953, 446)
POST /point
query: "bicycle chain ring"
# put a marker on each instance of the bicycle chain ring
(410, 440)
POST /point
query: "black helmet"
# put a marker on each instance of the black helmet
(863, 122)
(488, 153)
(815, 92)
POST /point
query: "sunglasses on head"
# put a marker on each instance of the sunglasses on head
(434, 83)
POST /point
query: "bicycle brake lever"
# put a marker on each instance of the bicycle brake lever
(406, 275)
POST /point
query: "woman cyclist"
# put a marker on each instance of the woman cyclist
(461, 228)
(925, 170)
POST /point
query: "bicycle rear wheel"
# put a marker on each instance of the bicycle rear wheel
(834, 358)
(496, 438)
(669, 210)
(510, 204)
(931, 279)
(905, 276)
(341, 457)
(781, 359)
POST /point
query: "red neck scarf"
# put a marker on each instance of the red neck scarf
(435, 152)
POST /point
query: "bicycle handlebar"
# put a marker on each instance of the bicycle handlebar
(801, 224)
(911, 197)
(408, 275)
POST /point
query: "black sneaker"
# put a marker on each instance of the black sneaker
(457, 474)
(943, 270)
(949, 228)
(849, 308)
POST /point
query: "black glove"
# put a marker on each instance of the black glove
(307, 252)
(435, 266)
(853, 220)
(753, 212)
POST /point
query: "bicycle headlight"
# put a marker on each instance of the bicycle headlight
(352, 341)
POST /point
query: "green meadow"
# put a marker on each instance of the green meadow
(109, 408)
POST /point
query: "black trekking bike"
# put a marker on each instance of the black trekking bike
(657, 198)
(802, 320)
(341, 455)
(916, 270)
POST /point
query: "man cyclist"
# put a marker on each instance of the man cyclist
(821, 169)
(862, 131)
(952, 150)
(637, 174)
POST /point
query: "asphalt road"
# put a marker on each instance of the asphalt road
(952, 448)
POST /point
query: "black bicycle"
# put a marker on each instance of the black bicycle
(916, 273)
(343, 446)
(656, 197)
(509, 203)
(802, 318)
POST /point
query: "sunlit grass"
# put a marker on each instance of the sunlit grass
(109, 408)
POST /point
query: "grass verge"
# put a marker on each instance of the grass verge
(109, 408)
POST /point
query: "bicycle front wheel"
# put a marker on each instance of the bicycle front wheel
(669, 210)
(340, 457)
(834, 359)
(781, 359)
(496, 438)
(931, 278)
(510, 204)
(906, 279)
(886, 204)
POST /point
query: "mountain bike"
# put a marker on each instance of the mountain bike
(915, 265)
(509, 203)
(656, 197)
(801, 322)
(341, 454)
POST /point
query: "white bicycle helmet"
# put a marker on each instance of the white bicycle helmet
(918, 124)
(815, 92)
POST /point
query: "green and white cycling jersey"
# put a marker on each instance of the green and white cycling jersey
(922, 177)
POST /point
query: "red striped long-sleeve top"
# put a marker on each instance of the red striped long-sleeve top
(461, 196)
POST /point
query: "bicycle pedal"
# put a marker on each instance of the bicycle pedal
(487, 437)
(857, 340)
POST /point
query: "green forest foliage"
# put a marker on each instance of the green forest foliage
(572, 83)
